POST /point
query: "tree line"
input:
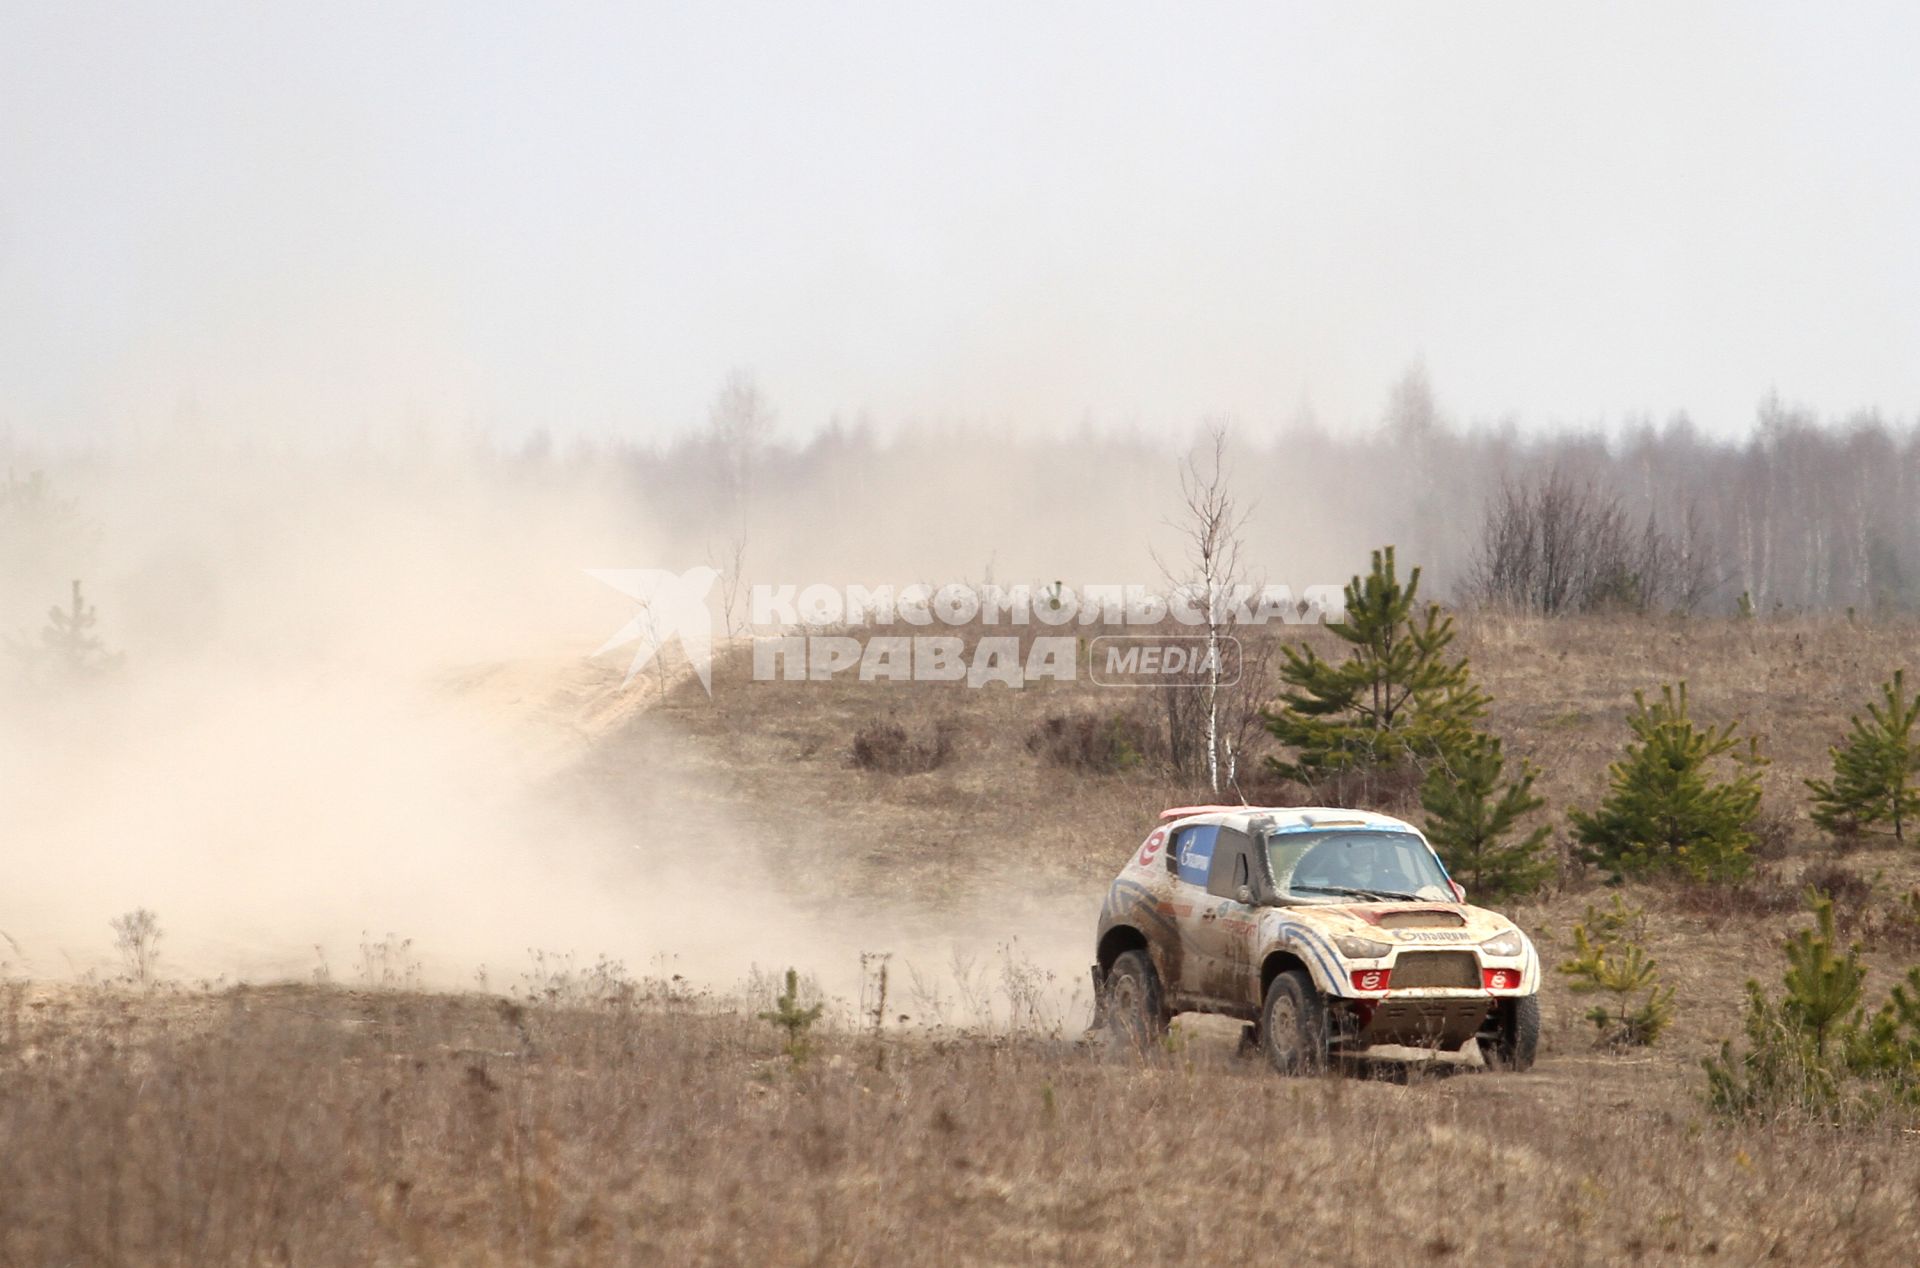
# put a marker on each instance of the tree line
(1790, 511)
(1799, 513)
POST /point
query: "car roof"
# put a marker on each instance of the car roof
(1284, 818)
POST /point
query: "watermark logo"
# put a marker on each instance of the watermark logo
(979, 635)
(1058, 605)
(673, 605)
(1153, 660)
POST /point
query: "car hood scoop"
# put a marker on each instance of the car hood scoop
(1421, 920)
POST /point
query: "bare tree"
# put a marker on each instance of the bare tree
(740, 423)
(730, 566)
(1211, 527)
(1559, 546)
(1696, 567)
(1242, 717)
(136, 935)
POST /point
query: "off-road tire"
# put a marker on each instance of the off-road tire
(1514, 1041)
(1134, 1005)
(1293, 1025)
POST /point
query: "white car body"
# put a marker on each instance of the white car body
(1198, 898)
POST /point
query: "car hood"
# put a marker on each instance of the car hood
(1408, 922)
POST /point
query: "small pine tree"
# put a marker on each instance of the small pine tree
(1776, 1072)
(1799, 1049)
(1606, 958)
(1396, 698)
(69, 634)
(1664, 812)
(794, 1020)
(68, 646)
(1470, 815)
(1823, 987)
(1873, 771)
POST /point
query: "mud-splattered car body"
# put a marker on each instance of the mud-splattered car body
(1224, 901)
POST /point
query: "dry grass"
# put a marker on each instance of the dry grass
(1561, 692)
(1562, 689)
(786, 745)
(317, 1126)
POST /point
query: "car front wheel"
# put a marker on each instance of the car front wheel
(1293, 1025)
(1514, 1038)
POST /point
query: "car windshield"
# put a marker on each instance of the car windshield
(1366, 864)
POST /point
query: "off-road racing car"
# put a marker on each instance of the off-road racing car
(1331, 931)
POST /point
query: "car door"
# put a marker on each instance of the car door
(1191, 855)
(1227, 920)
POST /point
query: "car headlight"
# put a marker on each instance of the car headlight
(1507, 943)
(1362, 948)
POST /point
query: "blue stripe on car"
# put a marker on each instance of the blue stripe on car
(1145, 904)
(1316, 945)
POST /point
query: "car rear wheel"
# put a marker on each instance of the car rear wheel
(1134, 1006)
(1293, 1025)
(1514, 1038)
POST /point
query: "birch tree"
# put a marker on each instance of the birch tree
(1211, 525)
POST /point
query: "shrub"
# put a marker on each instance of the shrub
(1896, 927)
(1773, 834)
(1470, 815)
(1760, 893)
(136, 935)
(1665, 813)
(1561, 546)
(1609, 958)
(1093, 742)
(1851, 892)
(1886, 1046)
(887, 746)
(1873, 771)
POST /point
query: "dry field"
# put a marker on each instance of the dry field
(309, 1126)
(605, 1122)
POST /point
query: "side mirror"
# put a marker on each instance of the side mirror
(1459, 890)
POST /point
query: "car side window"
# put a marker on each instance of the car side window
(1232, 864)
(1193, 853)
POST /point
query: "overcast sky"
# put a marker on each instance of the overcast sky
(335, 216)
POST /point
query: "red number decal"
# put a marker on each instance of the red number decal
(1152, 846)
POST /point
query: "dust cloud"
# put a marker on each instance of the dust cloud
(350, 728)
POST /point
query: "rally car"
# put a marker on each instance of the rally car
(1331, 931)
